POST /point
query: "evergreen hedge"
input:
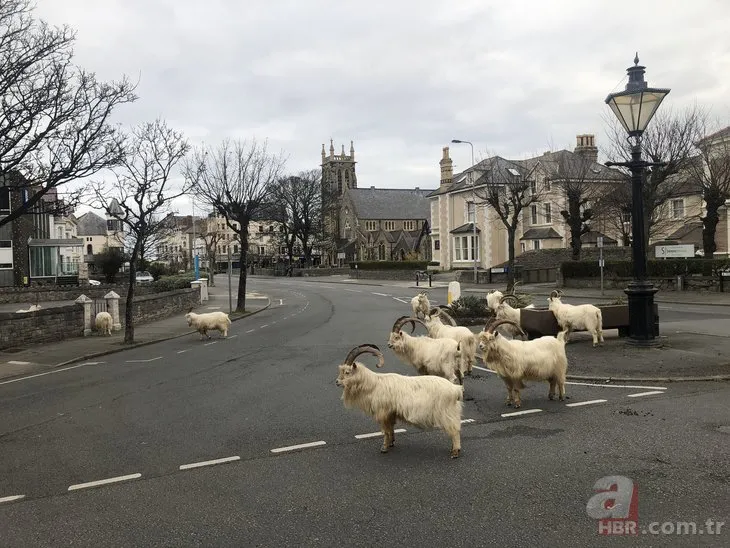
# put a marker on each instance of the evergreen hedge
(664, 268)
(390, 265)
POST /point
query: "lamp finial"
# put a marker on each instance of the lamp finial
(636, 59)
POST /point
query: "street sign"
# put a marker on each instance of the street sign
(674, 251)
(340, 255)
(601, 263)
(497, 270)
(600, 241)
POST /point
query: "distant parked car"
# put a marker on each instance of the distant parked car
(94, 282)
(143, 277)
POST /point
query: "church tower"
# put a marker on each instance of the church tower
(338, 173)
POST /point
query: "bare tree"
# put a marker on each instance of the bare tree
(236, 180)
(508, 188)
(709, 172)
(670, 138)
(143, 191)
(613, 210)
(212, 238)
(54, 116)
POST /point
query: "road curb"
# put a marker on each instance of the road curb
(147, 343)
(595, 378)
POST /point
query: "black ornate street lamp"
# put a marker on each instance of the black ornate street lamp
(634, 107)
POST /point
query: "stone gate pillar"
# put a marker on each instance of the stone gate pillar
(112, 306)
(88, 320)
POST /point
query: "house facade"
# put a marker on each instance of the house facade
(98, 234)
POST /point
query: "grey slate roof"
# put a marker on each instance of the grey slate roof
(468, 228)
(591, 237)
(90, 224)
(545, 233)
(390, 203)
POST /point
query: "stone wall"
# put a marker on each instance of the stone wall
(29, 295)
(148, 308)
(409, 275)
(689, 283)
(45, 325)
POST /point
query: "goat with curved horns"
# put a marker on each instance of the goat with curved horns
(516, 361)
(461, 334)
(576, 317)
(424, 402)
(441, 357)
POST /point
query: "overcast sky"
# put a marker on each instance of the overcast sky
(400, 78)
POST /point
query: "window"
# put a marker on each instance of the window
(626, 217)
(261, 228)
(262, 250)
(464, 248)
(271, 229)
(536, 244)
(409, 225)
(43, 261)
(437, 244)
(470, 209)
(370, 225)
(389, 225)
(282, 250)
(523, 247)
(4, 201)
(89, 250)
(547, 185)
(533, 214)
(677, 209)
(6, 254)
(548, 214)
(381, 252)
(533, 187)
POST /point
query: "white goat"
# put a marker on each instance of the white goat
(504, 311)
(516, 361)
(104, 322)
(420, 303)
(209, 321)
(460, 333)
(31, 308)
(576, 317)
(493, 299)
(440, 357)
(424, 402)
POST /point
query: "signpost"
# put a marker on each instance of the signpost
(674, 251)
(230, 291)
(599, 243)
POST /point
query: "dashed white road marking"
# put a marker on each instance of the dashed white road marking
(232, 336)
(377, 434)
(262, 326)
(300, 446)
(401, 300)
(484, 369)
(209, 462)
(645, 394)
(12, 498)
(214, 308)
(15, 362)
(465, 421)
(250, 331)
(281, 302)
(381, 294)
(104, 482)
(182, 351)
(525, 412)
(353, 290)
(580, 403)
(42, 374)
(615, 385)
(211, 342)
(145, 361)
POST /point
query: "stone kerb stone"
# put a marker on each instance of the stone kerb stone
(112, 306)
(88, 320)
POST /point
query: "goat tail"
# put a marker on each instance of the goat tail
(561, 336)
(599, 320)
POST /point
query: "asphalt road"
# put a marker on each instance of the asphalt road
(140, 418)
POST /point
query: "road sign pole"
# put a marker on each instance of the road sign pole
(600, 259)
(230, 291)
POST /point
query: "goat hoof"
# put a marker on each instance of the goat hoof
(551, 397)
(455, 453)
(383, 449)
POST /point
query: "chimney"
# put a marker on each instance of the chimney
(447, 170)
(586, 146)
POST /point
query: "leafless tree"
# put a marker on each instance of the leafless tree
(613, 210)
(54, 117)
(212, 238)
(709, 172)
(143, 190)
(509, 188)
(669, 138)
(236, 180)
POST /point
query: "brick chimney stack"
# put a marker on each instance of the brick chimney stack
(447, 170)
(586, 147)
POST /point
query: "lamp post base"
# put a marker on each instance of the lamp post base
(643, 326)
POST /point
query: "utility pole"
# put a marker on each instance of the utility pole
(230, 291)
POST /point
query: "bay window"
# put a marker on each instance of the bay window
(465, 248)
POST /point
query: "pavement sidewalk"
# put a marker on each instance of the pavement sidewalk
(36, 359)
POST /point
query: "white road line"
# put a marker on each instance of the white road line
(381, 294)
(12, 498)
(463, 421)
(93, 363)
(645, 394)
(578, 404)
(300, 446)
(353, 290)
(250, 331)
(401, 300)
(208, 463)
(214, 308)
(104, 482)
(615, 385)
(182, 351)
(145, 361)
(232, 336)
(281, 302)
(484, 369)
(14, 362)
(525, 412)
(377, 434)
(212, 342)
(41, 374)
(262, 326)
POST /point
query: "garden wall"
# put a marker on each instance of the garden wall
(42, 326)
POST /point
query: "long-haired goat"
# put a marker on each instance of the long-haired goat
(425, 402)
(579, 317)
(460, 333)
(103, 322)
(209, 321)
(441, 357)
(516, 361)
(420, 303)
(504, 311)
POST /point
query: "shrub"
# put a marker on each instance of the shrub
(171, 283)
(664, 268)
(110, 261)
(470, 306)
(390, 265)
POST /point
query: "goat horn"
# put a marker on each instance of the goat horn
(448, 317)
(506, 298)
(191, 309)
(400, 322)
(434, 310)
(489, 328)
(554, 293)
(365, 349)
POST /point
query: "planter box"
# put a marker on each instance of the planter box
(537, 322)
